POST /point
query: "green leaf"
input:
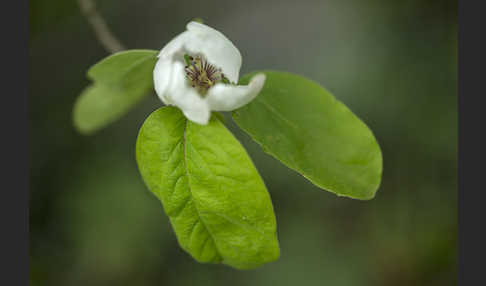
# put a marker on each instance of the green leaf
(301, 124)
(118, 68)
(219, 115)
(99, 105)
(216, 201)
(120, 82)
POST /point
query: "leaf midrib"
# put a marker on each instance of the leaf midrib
(299, 169)
(186, 171)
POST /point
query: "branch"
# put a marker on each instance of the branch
(103, 33)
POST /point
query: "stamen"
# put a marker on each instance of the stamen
(201, 74)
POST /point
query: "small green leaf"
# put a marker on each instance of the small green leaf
(216, 201)
(122, 66)
(120, 82)
(199, 20)
(301, 124)
(99, 105)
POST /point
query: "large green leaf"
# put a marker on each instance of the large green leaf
(120, 82)
(216, 200)
(301, 124)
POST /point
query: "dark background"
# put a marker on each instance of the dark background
(394, 63)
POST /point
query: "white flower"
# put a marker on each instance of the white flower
(198, 70)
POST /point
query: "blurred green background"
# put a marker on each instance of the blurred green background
(93, 222)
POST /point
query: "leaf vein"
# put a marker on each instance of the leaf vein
(190, 190)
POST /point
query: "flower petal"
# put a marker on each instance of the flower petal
(227, 97)
(194, 107)
(162, 77)
(175, 46)
(170, 80)
(218, 50)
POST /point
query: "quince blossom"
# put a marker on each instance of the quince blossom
(197, 72)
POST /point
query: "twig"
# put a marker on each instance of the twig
(103, 33)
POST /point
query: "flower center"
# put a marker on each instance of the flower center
(201, 74)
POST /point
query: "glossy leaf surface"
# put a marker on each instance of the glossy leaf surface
(217, 202)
